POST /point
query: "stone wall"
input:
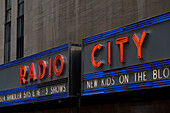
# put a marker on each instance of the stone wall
(50, 23)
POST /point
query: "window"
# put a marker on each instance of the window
(20, 29)
(8, 11)
(20, 8)
(7, 40)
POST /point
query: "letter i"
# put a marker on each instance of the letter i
(108, 53)
(49, 67)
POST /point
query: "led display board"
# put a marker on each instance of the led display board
(128, 58)
(47, 75)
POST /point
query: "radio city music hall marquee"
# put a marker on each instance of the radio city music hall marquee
(43, 66)
(118, 60)
(128, 58)
(39, 77)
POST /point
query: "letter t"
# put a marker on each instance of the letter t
(120, 41)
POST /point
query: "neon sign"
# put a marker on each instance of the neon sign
(120, 42)
(42, 69)
(127, 58)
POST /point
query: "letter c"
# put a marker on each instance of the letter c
(94, 63)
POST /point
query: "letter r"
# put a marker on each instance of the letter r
(23, 73)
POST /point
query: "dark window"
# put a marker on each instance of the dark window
(20, 29)
(20, 8)
(8, 11)
(7, 40)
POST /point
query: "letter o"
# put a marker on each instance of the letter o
(166, 76)
(121, 79)
(58, 57)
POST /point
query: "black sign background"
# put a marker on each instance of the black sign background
(129, 78)
(154, 48)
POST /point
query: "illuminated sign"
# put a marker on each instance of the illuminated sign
(124, 81)
(42, 67)
(120, 42)
(43, 91)
(42, 76)
(128, 58)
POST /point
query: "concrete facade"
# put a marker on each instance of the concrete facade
(50, 23)
(2, 22)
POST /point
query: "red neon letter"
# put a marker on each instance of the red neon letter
(22, 74)
(120, 41)
(41, 75)
(31, 73)
(49, 68)
(108, 53)
(58, 57)
(138, 43)
(95, 47)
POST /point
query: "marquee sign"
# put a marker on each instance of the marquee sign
(132, 57)
(42, 69)
(42, 76)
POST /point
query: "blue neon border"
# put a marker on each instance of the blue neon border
(127, 28)
(34, 56)
(20, 89)
(29, 100)
(35, 99)
(127, 87)
(129, 69)
(31, 87)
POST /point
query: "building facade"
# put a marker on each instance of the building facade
(29, 27)
(50, 23)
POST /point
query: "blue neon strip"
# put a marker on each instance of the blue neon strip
(127, 28)
(127, 87)
(129, 69)
(34, 56)
(20, 89)
(35, 99)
